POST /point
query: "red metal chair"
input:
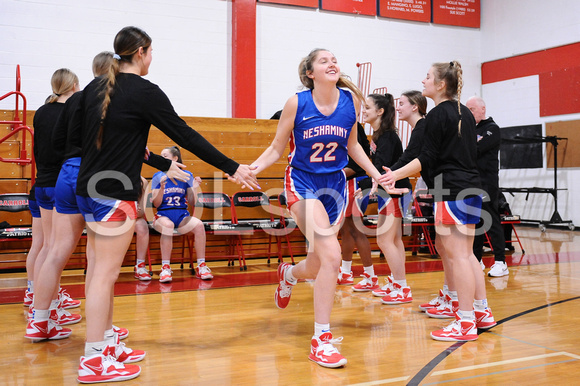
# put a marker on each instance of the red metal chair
(217, 213)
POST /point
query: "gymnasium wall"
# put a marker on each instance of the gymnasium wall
(192, 47)
(516, 34)
(192, 57)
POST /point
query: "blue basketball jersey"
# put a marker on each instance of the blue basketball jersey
(174, 194)
(318, 142)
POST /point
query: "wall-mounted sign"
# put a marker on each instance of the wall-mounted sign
(360, 7)
(463, 13)
(416, 10)
(302, 3)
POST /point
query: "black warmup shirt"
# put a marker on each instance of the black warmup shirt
(413, 149)
(388, 150)
(364, 142)
(448, 154)
(66, 138)
(47, 159)
(136, 104)
(489, 139)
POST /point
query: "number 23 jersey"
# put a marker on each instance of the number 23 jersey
(174, 194)
(318, 142)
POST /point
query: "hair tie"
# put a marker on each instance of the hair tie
(115, 56)
(451, 64)
(57, 94)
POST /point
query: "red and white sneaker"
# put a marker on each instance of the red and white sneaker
(284, 290)
(398, 295)
(344, 278)
(141, 272)
(433, 303)
(446, 310)
(62, 317)
(37, 331)
(65, 301)
(124, 354)
(368, 283)
(28, 296)
(203, 272)
(122, 333)
(386, 289)
(458, 330)
(484, 319)
(104, 368)
(324, 353)
(30, 313)
(165, 275)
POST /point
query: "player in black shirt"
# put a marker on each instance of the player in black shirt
(449, 152)
(116, 112)
(386, 148)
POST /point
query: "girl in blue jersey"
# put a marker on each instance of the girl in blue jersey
(171, 200)
(449, 153)
(318, 124)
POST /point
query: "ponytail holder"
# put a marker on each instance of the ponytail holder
(451, 64)
(115, 56)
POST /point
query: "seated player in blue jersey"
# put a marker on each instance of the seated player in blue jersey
(171, 200)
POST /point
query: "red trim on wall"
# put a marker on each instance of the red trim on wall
(244, 58)
(534, 63)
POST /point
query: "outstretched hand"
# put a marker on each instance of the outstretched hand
(387, 181)
(176, 172)
(245, 176)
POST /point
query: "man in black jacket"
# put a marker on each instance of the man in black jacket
(488, 141)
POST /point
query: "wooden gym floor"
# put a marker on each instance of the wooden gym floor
(229, 332)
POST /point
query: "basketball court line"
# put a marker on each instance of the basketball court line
(426, 370)
(477, 367)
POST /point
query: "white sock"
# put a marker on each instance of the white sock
(370, 270)
(453, 295)
(110, 337)
(94, 348)
(346, 266)
(445, 289)
(480, 305)
(402, 283)
(466, 315)
(140, 261)
(53, 304)
(40, 315)
(289, 277)
(165, 262)
(199, 261)
(30, 286)
(320, 329)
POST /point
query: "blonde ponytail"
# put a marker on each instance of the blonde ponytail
(63, 81)
(452, 74)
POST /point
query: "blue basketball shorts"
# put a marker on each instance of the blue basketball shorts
(102, 210)
(466, 211)
(65, 197)
(175, 215)
(328, 188)
(44, 197)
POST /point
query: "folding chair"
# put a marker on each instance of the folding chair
(509, 219)
(424, 223)
(218, 216)
(14, 203)
(287, 226)
(253, 208)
